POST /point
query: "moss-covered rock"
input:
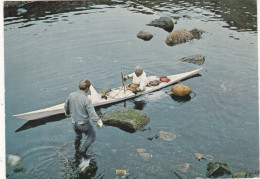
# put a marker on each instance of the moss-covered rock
(196, 59)
(163, 22)
(239, 175)
(197, 33)
(19, 169)
(129, 120)
(178, 36)
(217, 169)
(145, 35)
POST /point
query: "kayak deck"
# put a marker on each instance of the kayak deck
(116, 95)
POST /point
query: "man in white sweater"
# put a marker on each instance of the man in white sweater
(139, 79)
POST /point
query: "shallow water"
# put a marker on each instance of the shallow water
(50, 46)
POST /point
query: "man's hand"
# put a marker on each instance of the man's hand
(99, 123)
(125, 78)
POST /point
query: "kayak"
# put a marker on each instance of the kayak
(114, 96)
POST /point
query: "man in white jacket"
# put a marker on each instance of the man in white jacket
(139, 79)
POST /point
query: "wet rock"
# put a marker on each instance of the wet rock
(13, 160)
(197, 33)
(129, 120)
(181, 90)
(239, 175)
(196, 59)
(19, 169)
(178, 36)
(145, 35)
(143, 154)
(167, 136)
(204, 157)
(217, 169)
(163, 22)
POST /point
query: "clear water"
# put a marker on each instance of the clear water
(53, 45)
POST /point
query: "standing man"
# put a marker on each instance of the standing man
(139, 79)
(79, 107)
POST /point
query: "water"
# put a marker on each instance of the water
(50, 46)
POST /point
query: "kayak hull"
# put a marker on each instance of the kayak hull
(116, 95)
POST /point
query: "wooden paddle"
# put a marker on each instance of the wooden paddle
(122, 73)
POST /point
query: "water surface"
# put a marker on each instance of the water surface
(50, 46)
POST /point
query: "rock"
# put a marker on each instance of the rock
(144, 155)
(163, 22)
(217, 169)
(197, 33)
(145, 35)
(204, 157)
(239, 175)
(129, 120)
(178, 36)
(196, 59)
(13, 160)
(167, 136)
(181, 90)
(19, 169)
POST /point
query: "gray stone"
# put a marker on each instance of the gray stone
(167, 136)
(13, 160)
(196, 59)
(163, 22)
(144, 35)
(197, 33)
(217, 169)
(127, 119)
(239, 175)
(19, 169)
(203, 156)
(178, 36)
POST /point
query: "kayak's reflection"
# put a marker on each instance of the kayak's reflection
(39, 122)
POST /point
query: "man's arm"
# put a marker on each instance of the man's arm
(92, 113)
(67, 108)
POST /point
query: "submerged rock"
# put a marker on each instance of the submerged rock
(167, 136)
(129, 120)
(239, 175)
(178, 36)
(196, 59)
(145, 35)
(204, 157)
(217, 169)
(163, 22)
(143, 154)
(197, 33)
(181, 90)
(19, 169)
(13, 160)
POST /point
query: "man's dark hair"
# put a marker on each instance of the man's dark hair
(83, 84)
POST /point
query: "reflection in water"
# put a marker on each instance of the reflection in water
(39, 122)
(240, 15)
(139, 105)
(181, 99)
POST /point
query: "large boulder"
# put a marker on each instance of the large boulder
(197, 33)
(178, 36)
(217, 169)
(196, 59)
(129, 120)
(163, 22)
(145, 35)
(181, 90)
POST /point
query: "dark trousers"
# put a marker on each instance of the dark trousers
(89, 131)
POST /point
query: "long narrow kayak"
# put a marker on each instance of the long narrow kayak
(115, 95)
